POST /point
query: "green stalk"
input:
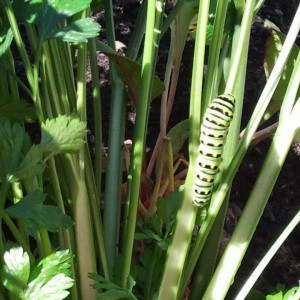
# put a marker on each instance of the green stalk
(261, 191)
(18, 236)
(94, 183)
(210, 89)
(3, 193)
(267, 258)
(82, 211)
(84, 240)
(228, 174)
(35, 89)
(68, 75)
(179, 32)
(59, 78)
(13, 85)
(171, 16)
(153, 26)
(178, 250)
(150, 273)
(4, 93)
(18, 40)
(50, 77)
(252, 212)
(97, 114)
(207, 260)
(113, 186)
(93, 194)
(18, 195)
(66, 233)
(138, 33)
(241, 48)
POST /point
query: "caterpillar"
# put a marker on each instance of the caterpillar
(213, 134)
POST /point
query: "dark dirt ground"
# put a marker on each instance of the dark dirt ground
(283, 204)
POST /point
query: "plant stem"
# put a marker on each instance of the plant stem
(66, 233)
(152, 207)
(177, 252)
(179, 32)
(267, 258)
(252, 212)
(83, 225)
(97, 114)
(59, 76)
(153, 26)
(253, 124)
(241, 48)
(97, 220)
(210, 86)
(228, 174)
(206, 261)
(288, 104)
(138, 33)
(18, 236)
(18, 40)
(113, 185)
(3, 193)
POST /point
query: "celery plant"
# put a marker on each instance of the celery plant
(147, 247)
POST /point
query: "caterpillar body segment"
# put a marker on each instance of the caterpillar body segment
(213, 134)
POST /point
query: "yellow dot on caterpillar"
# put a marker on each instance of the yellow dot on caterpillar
(204, 178)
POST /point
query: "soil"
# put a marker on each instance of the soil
(283, 203)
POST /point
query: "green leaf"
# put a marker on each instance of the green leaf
(62, 134)
(53, 12)
(109, 290)
(178, 135)
(26, 10)
(16, 270)
(35, 215)
(31, 165)
(49, 279)
(77, 32)
(162, 210)
(11, 141)
(48, 14)
(17, 110)
(96, 6)
(130, 73)
(167, 209)
(6, 37)
(115, 294)
(277, 296)
(54, 289)
(290, 294)
(58, 262)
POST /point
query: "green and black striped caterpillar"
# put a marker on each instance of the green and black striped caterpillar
(213, 134)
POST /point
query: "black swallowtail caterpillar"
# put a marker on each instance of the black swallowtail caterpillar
(213, 134)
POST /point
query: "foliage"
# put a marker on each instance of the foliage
(49, 279)
(152, 242)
